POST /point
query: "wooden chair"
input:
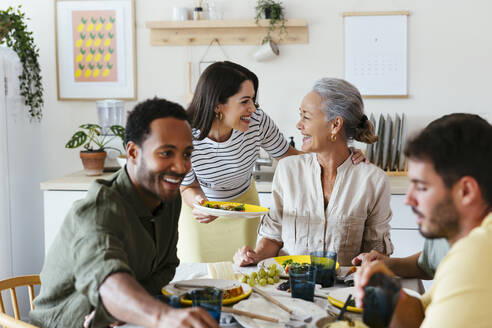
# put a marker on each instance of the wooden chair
(11, 284)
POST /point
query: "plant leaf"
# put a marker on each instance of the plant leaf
(78, 139)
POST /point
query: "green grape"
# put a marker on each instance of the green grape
(254, 275)
(252, 282)
(272, 273)
(276, 278)
(272, 266)
(270, 281)
(279, 271)
(262, 273)
(263, 281)
(245, 278)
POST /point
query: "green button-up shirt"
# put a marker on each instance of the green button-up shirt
(110, 230)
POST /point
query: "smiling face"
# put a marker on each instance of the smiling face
(316, 131)
(163, 160)
(431, 201)
(238, 108)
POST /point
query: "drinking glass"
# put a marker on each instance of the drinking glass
(380, 297)
(210, 299)
(325, 265)
(302, 281)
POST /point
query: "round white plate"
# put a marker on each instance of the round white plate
(171, 289)
(259, 305)
(237, 214)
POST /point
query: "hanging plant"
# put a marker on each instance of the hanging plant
(273, 11)
(14, 33)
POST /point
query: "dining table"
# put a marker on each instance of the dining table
(187, 271)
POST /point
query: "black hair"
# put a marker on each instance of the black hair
(139, 119)
(217, 83)
(458, 145)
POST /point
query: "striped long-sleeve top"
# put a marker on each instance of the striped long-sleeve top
(224, 169)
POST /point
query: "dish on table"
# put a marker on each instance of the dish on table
(229, 209)
(279, 260)
(330, 322)
(259, 305)
(338, 297)
(230, 287)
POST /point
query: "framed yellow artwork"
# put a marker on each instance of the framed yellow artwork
(95, 49)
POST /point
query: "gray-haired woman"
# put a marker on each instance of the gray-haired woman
(321, 200)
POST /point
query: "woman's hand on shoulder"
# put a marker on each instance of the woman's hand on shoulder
(358, 156)
(200, 216)
(246, 256)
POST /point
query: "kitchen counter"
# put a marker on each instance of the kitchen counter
(79, 181)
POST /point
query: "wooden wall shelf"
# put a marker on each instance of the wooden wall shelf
(228, 32)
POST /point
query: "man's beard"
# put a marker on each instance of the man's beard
(152, 183)
(443, 221)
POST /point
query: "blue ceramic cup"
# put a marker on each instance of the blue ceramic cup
(210, 299)
(325, 266)
(302, 281)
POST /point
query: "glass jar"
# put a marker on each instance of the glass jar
(197, 13)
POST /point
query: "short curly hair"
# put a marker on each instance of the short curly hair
(144, 113)
(457, 145)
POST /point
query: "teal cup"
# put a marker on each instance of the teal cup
(302, 281)
(210, 299)
(325, 266)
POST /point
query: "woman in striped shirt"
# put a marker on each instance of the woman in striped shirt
(229, 130)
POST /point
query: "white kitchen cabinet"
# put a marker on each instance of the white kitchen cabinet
(57, 203)
(59, 195)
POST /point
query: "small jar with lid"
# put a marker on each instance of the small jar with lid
(198, 13)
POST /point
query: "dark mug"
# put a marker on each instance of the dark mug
(380, 298)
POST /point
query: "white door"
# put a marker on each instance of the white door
(5, 228)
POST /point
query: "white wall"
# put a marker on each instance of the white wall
(450, 47)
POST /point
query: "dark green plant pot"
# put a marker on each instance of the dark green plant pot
(272, 13)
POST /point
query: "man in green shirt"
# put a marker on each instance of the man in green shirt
(117, 246)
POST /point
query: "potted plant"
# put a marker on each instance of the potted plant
(95, 144)
(14, 33)
(274, 11)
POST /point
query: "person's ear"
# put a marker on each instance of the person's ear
(336, 124)
(467, 190)
(132, 151)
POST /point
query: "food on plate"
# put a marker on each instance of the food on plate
(285, 286)
(262, 276)
(227, 207)
(346, 324)
(221, 270)
(229, 292)
(288, 264)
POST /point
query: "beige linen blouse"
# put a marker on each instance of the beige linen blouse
(356, 219)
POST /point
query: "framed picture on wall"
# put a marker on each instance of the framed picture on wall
(95, 49)
(376, 53)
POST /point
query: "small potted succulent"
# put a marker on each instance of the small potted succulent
(95, 143)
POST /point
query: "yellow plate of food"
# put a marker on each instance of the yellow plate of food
(231, 209)
(283, 261)
(338, 297)
(233, 291)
